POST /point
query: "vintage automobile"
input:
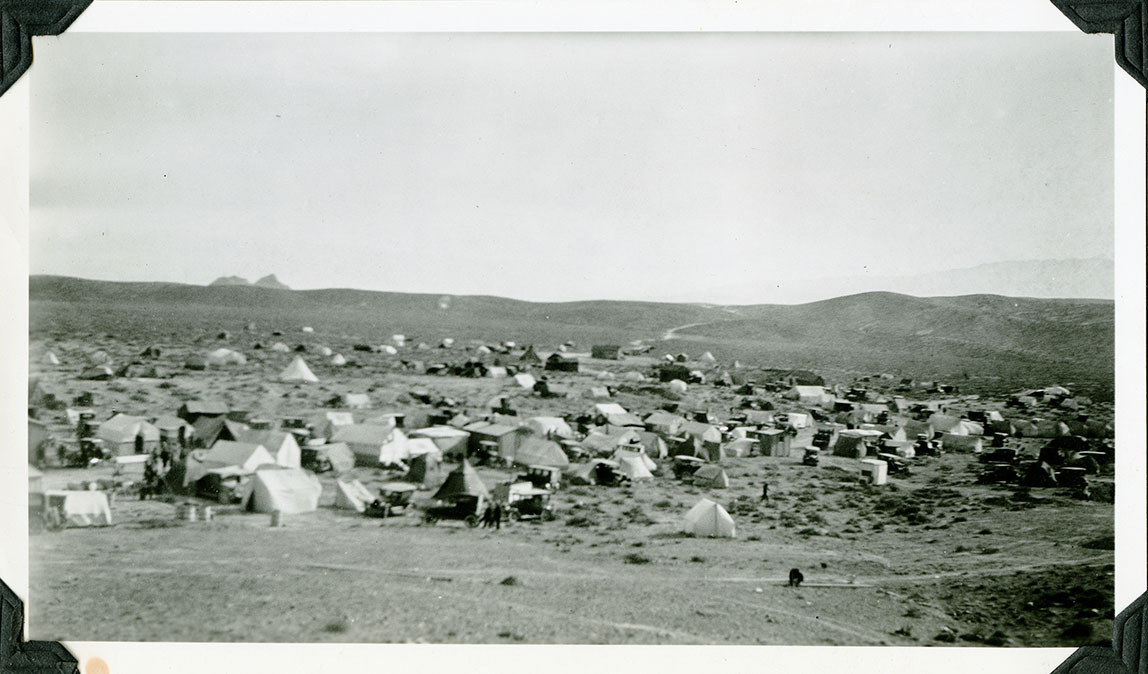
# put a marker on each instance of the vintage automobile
(224, 485)
(394, 499)
(527, 502)
(462, 507)
(811, 457)
(685, 466)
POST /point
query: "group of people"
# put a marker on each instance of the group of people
(492, 516)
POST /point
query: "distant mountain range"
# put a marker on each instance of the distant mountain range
(1092, 278)
(1026, 341)
(268, 281)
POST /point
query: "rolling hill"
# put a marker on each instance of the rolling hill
(1016, 340)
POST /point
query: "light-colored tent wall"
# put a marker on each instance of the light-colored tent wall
(710, 520)
(961, 443)
(288, 490)
(352, 496)
(83, 508)
(450, 441)
(772, 442)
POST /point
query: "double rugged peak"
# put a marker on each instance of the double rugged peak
(268, 281)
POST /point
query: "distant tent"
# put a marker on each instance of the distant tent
(357, 401)
(280, 347)
(709, 519)
(287, 490)
(525, 380)
(539, 452)
(280, 445)
(352, 496)
(450, 441)
(365, 440)
(298, 371)
(422, 467)
(633, 467)
(389, 350)
(224, 357)
(325, 351)
(711, 476)
(195, 362)
(664, 423)
(338, 454)
(851, 442)
(338, 360)
(530, 356)
(550, 427)
(394, 451)
(100, 357)
(462, 481)
(247, 456)
(97, 373)
(678, 386)
(83, 508)
(961, 443)
(633, 376)
(124, 434)
(943, 423)
(307, 328)
(707, 357)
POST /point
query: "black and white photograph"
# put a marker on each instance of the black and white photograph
(644, 337)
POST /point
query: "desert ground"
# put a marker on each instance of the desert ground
(932, 558)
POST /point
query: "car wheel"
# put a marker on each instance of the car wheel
(472, 521)
(548, 515)
(515, 515)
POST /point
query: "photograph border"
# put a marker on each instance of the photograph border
(334, 16)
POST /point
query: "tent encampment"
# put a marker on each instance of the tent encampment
(287, 490)
(550, 427)
(708, 518)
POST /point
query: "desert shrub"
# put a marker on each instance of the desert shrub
(664, 504)
(638, 516)
(697, 559)
(636, 558)
(579, 521)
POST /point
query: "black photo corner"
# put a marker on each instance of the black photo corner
(21, 20)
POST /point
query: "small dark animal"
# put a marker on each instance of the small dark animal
(795, 578)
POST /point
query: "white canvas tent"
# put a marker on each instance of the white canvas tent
(298, 371)
(287, 490)
(352, 496)
(709, 519)
(550, 427)
(224, 357)
(83, 508)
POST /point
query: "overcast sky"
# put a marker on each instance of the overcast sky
(566, 166)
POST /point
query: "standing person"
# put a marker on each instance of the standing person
(148, 480)
(765, 492)
(487, 516)
(498, 516)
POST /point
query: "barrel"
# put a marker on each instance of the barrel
(277, 518)
(207, 513)
(186, 511)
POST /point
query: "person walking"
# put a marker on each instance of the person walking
(487, 516)
(498, 516)
(765, 492)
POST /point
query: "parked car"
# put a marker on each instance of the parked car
(465, 507)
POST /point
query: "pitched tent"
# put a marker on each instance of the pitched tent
(943, 423)
(539, 452)
(665, 423)
(603, 444)
(525, 380)
(352, 496)
(280, 347)
(193, 409)
(506, 437)
(366, 441)
(739, 448)
(245, 455)
(124, 434)
(707, 357)
(224, 357)
(280, 445)
(810, 395)
(83, 508)
(450, 441)
(634, 468)
(422, 467)
(298, 371)
(678, 386)
(338, 454)
(634, 452)
(711, 476)
(209, 430)
(462, 481)
(357, 401)
(97, 373)
(653, 444)
(961, 443)
(851, 442)
(287, 490)
(338, 360)
(550, 427)
(709, 519)
(530, 356)
(325, 351)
